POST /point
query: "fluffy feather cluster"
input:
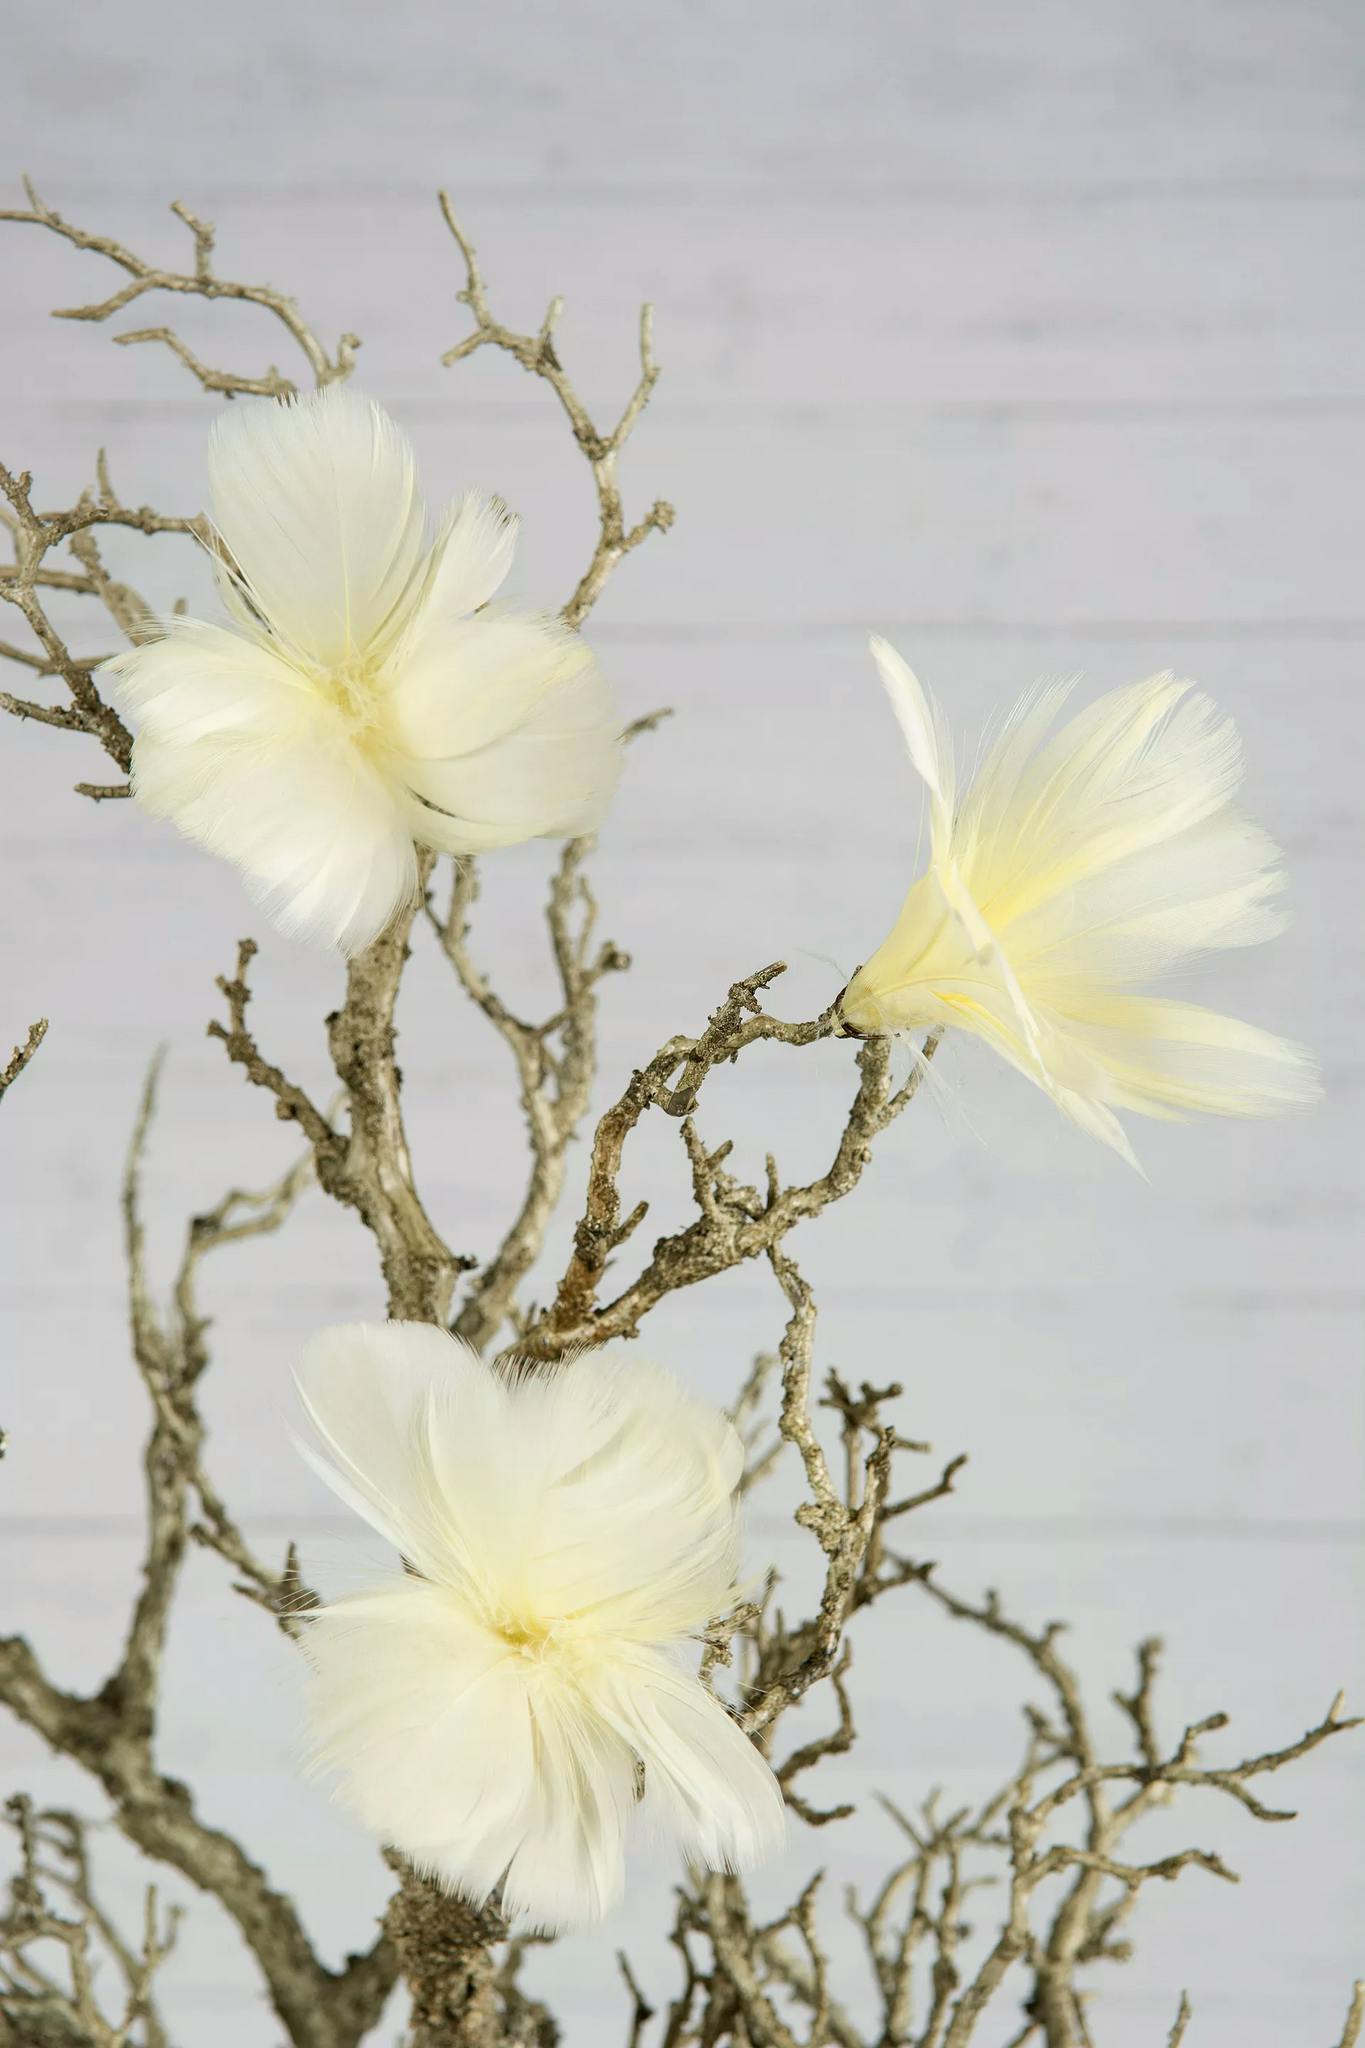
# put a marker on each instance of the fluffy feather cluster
(566, 1533)
(1073, 867)
(362, 696)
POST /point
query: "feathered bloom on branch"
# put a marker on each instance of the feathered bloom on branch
(364, 695)
(1072, 868)
(565, 1532)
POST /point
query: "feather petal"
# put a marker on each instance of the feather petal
(568, 1870)
(1173, 1059)
(482, 1765)
(422, 1721)
(706, 1784)
(315, 829)
(468, 562)
(369, 1391)
(914, 715)
(201, 682)
(624, 1446)
(316, 502)
(505, 730)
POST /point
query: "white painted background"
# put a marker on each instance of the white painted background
(1029, 335)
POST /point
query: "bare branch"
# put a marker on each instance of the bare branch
(111, 1733)
(52, 1994)
(844, 1528)
(555, 1064)
(367, 1169)
(201, 281)
(537, 353)
(736, 1222)
(292, 1105)
(34, 535)
(22, 1054)
(1083, 1924)
(835, 1743)
(444, 1947)
(642, 2011)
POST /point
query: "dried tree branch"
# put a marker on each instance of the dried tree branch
(735, 1221)
(555, 1063)
(366, 1168)
(914, 1927)
(642, 2011)
(200, 281)
(1182, 2020)
(112, 1733)
(1083, 1924)
(537, 353)
(22, 1054)
(33, 536)
(844, 1526)
(50, 1997)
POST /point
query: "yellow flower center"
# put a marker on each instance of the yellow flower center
(540, 1641)
(352, 691)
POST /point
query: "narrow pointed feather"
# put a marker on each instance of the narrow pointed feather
(1175, 1059)
(913, 713)
(923, 729)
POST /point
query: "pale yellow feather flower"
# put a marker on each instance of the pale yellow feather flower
(1072, 868)
(500, 1708)
(366, 690)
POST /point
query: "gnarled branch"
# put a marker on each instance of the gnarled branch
(112, 1733)
(199, 281)
(538, 354)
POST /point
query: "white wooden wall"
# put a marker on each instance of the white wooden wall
(1028, 335)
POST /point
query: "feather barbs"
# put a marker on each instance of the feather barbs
(568, 1534)
(366, 691)
(1079, 862)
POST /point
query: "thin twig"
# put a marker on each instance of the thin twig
(22, 1054)
(200, 281)
(537, 353)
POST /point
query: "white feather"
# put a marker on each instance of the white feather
(507, 730)
(367, 1390)
(572, 1530)
(914, 713)
(706, 1786)
(470, 558)
(322, 843)
(363, 696)
(316, 502)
